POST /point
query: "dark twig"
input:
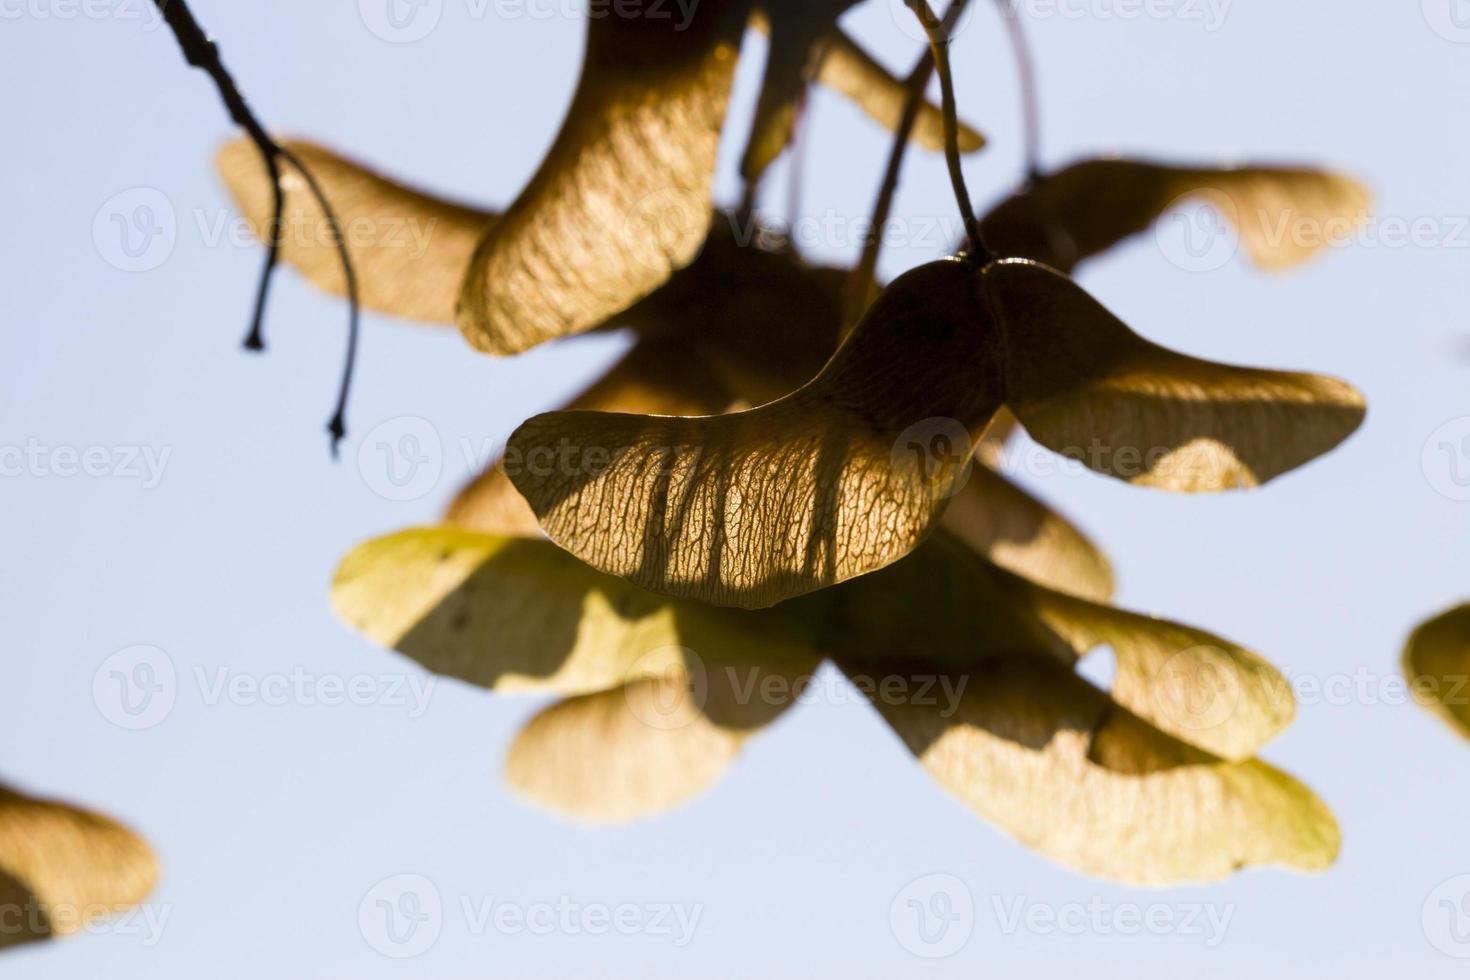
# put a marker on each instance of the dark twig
(861, 278)
(1026, 69)
(938, 33)
(202, 53)
(337, 426)
(796, 155)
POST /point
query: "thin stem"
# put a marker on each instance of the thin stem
(860, 281)
(861, 278)
(202, 53)
(337, 425)
(796, 156)
(255, 339)
(1026, 69)
(938, 34)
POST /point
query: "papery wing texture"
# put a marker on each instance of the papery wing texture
(945, 605)
(1282, 214)
(1085, 385)
(1436, 662)
(598, 759)
(741, 325)
(622, 199)
(751, 508)
(1052, 761)
(62, 867)
(1188, 683)
(997, 518)
(655, 377)
(517, 615)
(409, 249)
(655, 742)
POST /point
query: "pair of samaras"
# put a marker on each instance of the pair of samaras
(1153, 782)
(847, 474)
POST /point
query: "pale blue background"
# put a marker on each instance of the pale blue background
(274, 822)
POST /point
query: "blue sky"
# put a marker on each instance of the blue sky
(276, 815)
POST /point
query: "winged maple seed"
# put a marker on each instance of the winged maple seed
(1151, 783)
(751, 508)
(62, 868)
(623, 196)
(768, 323)
(414, 247)
(1066, 217)
(1436, 662)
